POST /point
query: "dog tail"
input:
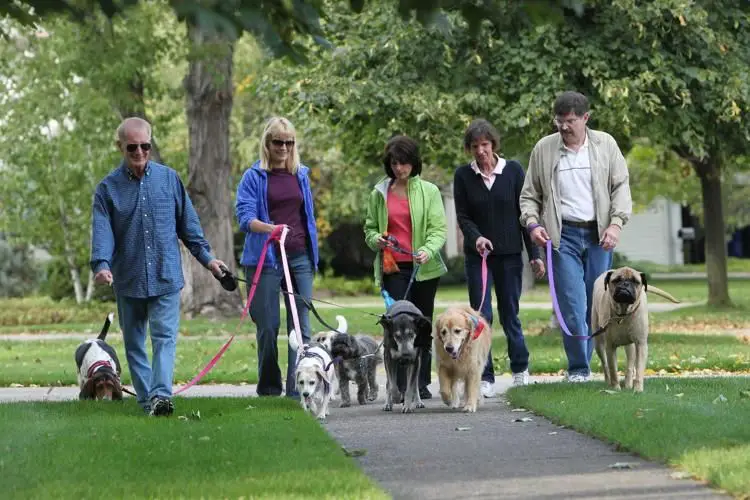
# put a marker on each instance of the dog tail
(343, 326)
(662, 293)
(105, 327)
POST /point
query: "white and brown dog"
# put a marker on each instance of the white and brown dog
(98, 367)
(314, 379)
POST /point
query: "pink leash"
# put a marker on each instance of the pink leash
(553, 294)
(484, 278)
(282, 230)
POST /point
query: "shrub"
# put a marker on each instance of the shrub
(19, 274)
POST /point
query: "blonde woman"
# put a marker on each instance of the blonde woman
(276, 190)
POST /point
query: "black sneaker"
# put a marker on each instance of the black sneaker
(424, 393)
(161, 407)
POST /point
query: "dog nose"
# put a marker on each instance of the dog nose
(449, 348)
(306, 394)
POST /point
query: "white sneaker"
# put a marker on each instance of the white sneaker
(577, 378)
(488, 389)
(521, 378)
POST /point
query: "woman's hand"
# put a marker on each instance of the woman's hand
(381, 242)
(483, 245)
(421, 257)
(537, 265)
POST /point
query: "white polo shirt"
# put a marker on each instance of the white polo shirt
(574, 184)
(489, 180)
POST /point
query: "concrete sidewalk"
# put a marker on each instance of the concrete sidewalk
(438, 453)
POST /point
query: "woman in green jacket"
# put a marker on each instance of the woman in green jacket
(404, 206)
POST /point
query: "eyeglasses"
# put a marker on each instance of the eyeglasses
(146, 146)
(279, 143)
(569, 122)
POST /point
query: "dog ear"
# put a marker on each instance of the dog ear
(645, 283)
(606, 279)
(386, 322)
(89, 390)
(424, 327)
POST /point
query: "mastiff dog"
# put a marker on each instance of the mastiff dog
(619, 317)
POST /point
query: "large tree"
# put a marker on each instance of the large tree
(670, 70)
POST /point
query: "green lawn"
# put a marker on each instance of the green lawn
(50, 362)
(697, 425)
(226, 447)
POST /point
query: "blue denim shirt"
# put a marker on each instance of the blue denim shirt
(136, 224)
(252, 203)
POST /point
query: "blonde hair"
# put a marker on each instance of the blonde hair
(132, 122)
(275, 125)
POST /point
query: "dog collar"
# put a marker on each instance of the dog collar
(95, 366)
(478, 327)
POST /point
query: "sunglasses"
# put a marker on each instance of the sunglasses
(146, 146)
(279, 143)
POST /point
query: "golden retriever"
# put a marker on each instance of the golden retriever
(462, 342)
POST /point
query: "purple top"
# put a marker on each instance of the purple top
(285, 206)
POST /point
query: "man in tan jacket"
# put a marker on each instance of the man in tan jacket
(577, 194)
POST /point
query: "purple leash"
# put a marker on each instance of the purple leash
(555, 305)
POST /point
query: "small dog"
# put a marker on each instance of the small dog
(357, 358)
(313, 376)
(325, 338)
(465, 338)
(619, 309)
(98, 367)
(406, 331)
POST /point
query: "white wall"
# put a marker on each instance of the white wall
(652, 234)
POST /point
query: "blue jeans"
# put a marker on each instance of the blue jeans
(506, 273)
(577, 263)
(266, 314)
(162, 315)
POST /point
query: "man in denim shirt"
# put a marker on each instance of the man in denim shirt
(140, 210)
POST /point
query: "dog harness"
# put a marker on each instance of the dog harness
(95, 366)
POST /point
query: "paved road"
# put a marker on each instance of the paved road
(423, 456)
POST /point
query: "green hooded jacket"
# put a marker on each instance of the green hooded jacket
(427, 224)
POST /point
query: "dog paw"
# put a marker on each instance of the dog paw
(470, 409)
(372, 397)
(420, 405)
(362, 401)
(388, 407)
(407, 409)
(345, 404)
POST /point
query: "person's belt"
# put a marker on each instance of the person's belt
(588, 224)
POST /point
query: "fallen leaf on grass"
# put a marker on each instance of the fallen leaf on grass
(744, 394)
(204, 438)
(354, 453)
(524, 419)
(720, 399)
(16, 385)
(608, 391)
(518, 409)
(667, 387)
(250, 407)
(182, 417)
(680, 474)
(552, 433)
(463, 428)
(623, 465)
(679, 395)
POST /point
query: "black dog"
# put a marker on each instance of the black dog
(406, 332)
(359, 357)
(98, 367)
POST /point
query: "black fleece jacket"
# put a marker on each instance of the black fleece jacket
(492, 213)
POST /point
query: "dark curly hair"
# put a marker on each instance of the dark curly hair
(402, 149)
(481, 129)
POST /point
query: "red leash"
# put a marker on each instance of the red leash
(275, 235)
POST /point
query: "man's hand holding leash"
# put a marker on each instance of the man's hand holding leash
(610, 237)
(103, 277)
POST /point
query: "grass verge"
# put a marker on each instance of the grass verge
(225, 447)
(50, 362)
(698, 425)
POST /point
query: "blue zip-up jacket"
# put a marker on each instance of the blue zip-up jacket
(252, 203)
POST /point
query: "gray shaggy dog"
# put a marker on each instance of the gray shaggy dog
(356, 358)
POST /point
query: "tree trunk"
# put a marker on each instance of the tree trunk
(209, 92)
(135, 105)
(709, 172)
(90, 287)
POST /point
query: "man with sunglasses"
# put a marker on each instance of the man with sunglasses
(140, 212)
(577, 194)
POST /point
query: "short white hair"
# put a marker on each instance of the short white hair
(132, 122)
